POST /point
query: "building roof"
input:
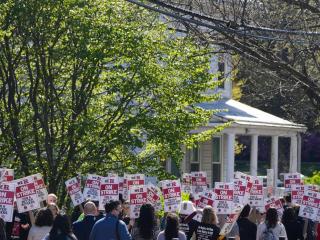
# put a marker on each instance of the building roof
(242, 114)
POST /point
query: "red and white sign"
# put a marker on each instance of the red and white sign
(310, 205)
(274, 203)
(40, 187)
(207, 198)
(224, 197)
(198, 182)
(109, 189)
(256, 193)
(291, 179)
(6, 174)
(241, 175)
(297, 192)
(231, 219)
(239, 192)
(132, 180)
(91, 189)
(171, 191)
(26, 194)
(120, 185)
(7, 201)
(186, 183)
(137, 197)
(153, 196)
(74, 189)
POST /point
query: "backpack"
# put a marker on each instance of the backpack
(267, 234)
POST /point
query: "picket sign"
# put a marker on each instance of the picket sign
(207, 198)
(132, 180)
(256, 193)
(91, 190)
(120, 185)
(153, 196)
(7, 190)
(171, 191)
(40, 187)
(186, 183)
(241, 175)
(310, 205)
(74, 189)
(26, 194)
(137, 197)
(198, 182)
(231, 220)
(6, 175)
(274, 203)
(109, 189)
(241, 191)
(224, 197)
(291, 179)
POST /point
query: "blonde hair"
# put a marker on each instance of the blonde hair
(209, 216)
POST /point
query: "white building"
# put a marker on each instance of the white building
(217, 155)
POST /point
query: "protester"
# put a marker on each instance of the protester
(208, 229)
(54, 209)
(125, 213)
(42, 226)
(82, 228)
(293, 228)
(187, 224)
(271, 227)
(117, 229)
(2, 230)
(52, 198)
(247, 229)
(145, 226)
(171, 229)
(287, 201)
(19, 228)
(61, 229)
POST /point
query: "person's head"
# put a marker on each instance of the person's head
(288, 216)
(287, 199)
(54, 209)
(52, 198)
(245, 211)
(126, 208)
(271, 217)
(146, 221)
(172, 226)
(209, 216)
(61, 225)
(90, 208)
(113, 207)
(44, 217)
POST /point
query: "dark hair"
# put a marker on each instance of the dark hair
(172, 227)
(44, 217)
(245, 211)
(191, 197)
(61, 227)
(288, 216)
(146, 221)
(288, 198)
(271, 218)
(111, 205)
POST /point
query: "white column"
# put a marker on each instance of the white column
(254, 155)
(294, 154)
(230, 156)
(299, 152)
(275, 157)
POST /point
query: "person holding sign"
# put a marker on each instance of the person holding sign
(171, 230)
(42, 226)
(271, 228)
(145, 227)
(208, 229)
(110, 227)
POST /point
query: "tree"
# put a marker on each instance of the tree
(280, 36)
(95, 86)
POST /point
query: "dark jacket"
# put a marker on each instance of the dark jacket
(247, 229)
(294, 230)
(82, 228)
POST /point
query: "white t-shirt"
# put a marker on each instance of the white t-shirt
(278, 231)
(38, 233)
(181, 236)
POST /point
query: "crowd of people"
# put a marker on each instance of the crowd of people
(115, 224)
